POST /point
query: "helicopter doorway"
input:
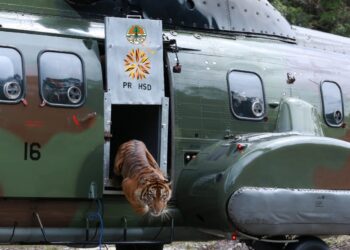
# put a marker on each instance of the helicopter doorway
(147, 123)
(135, 103)
(136, 122)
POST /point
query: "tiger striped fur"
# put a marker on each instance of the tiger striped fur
(144, 185)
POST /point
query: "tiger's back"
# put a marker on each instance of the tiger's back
(133, 158)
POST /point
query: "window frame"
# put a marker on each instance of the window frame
(83, 79)
(323, 104)
(230, 96)
(24, 90)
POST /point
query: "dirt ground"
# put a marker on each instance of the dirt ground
(336, 243)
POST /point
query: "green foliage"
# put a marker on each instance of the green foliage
(326, 15)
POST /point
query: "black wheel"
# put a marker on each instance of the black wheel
(309, 244)
(140, 247)
(259, 245)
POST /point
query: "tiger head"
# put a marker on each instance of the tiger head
(155, 196)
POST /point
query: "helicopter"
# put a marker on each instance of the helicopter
(246, 114)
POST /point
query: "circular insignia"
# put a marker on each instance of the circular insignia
(136, 34)
(137, 64)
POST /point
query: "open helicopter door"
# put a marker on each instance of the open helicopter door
(135, 104)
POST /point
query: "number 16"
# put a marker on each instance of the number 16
(33, 149)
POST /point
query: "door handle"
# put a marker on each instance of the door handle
(87, 117)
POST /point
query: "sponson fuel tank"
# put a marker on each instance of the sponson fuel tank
(277, 211)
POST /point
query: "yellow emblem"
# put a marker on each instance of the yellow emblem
(137, 64)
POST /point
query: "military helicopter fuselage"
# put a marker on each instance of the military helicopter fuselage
(246, 114)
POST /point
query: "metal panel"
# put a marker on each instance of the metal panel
(51, 24)
(134, 50)
(68, 142)
(215, 13)
(164, 136)
(276, 211)
(107, 130)
(261, 17)
(247, 16)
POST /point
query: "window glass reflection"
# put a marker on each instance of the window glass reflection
(332, 103)
(247, 95)
(61, 76)
(11, 76)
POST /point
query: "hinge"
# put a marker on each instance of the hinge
(108, 136)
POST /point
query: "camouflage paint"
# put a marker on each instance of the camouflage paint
(72, 155)
(69, 150)
(202, 119)
(334, 178)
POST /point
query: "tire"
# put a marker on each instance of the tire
(309, 244)
(259, 245)
(140, 247)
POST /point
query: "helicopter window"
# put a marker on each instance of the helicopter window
(246, 95)
(332, 103)
(61, 79)
(11, 76)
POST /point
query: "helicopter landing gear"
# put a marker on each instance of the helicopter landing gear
(304, 243)
(141, 247)
(308, 243)
(265, 246)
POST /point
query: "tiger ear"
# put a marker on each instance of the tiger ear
(169, 183)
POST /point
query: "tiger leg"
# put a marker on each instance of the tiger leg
(130, 190)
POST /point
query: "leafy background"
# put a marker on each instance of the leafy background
(325, 15)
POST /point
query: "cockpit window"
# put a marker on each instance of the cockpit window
(246, 95)
(11, 76)
(61, 79)
(333, 108)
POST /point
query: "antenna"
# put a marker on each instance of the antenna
(290, 81)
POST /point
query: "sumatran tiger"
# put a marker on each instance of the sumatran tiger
(144, 185)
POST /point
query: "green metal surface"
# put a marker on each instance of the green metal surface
(292, 147)
(69, 153)
(203, 118)
(284, 161)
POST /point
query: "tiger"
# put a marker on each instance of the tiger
(144, 185)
